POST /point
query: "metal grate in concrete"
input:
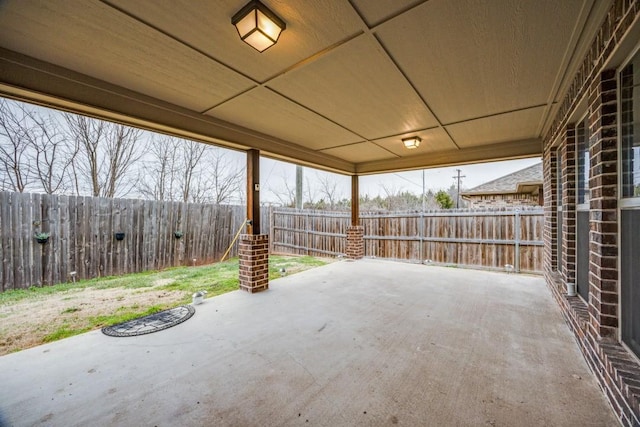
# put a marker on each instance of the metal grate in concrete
(152, 323)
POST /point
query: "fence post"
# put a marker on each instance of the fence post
(517, 238)
(421, 231)
(306, 230)
(272, 224)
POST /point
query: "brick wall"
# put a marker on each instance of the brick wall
(501, 200)
(550, 189)
(569, 183)
(253, 254)
(603, 216)
(617, 372)
(355, 242)
(595, 324)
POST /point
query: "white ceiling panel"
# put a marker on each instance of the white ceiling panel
(358, 87)
(94, 39)
(475, 79)
(360, 152)
(435, 139)
(500, 128)
(375, 12)
(474, 58)
(206, 25)
(263, 109)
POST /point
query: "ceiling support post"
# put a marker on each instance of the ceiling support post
(253, 249)
(253, 192)
(355, 201)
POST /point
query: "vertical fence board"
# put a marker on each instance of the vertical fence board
(18, 240)
(3, 231)
(60, 268)
(482, 238)
(7, 233)
(31, 251)
(82, 236)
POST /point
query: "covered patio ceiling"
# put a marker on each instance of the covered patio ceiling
(348, 79)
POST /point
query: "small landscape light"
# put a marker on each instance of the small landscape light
(198, 297)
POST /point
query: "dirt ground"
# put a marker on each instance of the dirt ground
(26, 323)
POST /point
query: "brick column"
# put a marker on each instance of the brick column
(355, 242)
(603, 216)
(569, 205)
(254, 262)
(550, 231)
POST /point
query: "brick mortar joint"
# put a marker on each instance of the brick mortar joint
(598, 355)
(584, 78)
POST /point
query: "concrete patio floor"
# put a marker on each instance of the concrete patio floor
(351, 343)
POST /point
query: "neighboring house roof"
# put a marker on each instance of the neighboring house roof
(526, 180)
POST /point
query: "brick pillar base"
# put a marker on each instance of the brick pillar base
(355, 242)
(254, 262)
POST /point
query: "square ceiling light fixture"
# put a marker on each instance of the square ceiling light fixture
(411, 143)
(258, 26)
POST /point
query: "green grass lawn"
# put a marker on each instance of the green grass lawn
(105, 301)
(216, 279)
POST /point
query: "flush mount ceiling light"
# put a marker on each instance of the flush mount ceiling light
(411, 143)
(258, 26)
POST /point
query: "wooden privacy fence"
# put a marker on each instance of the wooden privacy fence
(83, 236)
(488, 239)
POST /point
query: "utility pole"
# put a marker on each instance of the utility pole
(298, 187)
(459, 178)
(424, 201)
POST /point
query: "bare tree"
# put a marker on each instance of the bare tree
(226, 176)
(329, 189)
(192, 152)
(200, 190)
(122, 152)
(159, 181)
(310, 192)
(286, 194)
(399, 200)
(86, 135)
(53, 153)
(189, 171)
(99, 158)
(106, 155)
(15, 157)
(391, 193)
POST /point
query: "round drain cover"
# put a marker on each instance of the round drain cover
(151, 323)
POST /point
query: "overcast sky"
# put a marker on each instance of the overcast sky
(274, 173)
